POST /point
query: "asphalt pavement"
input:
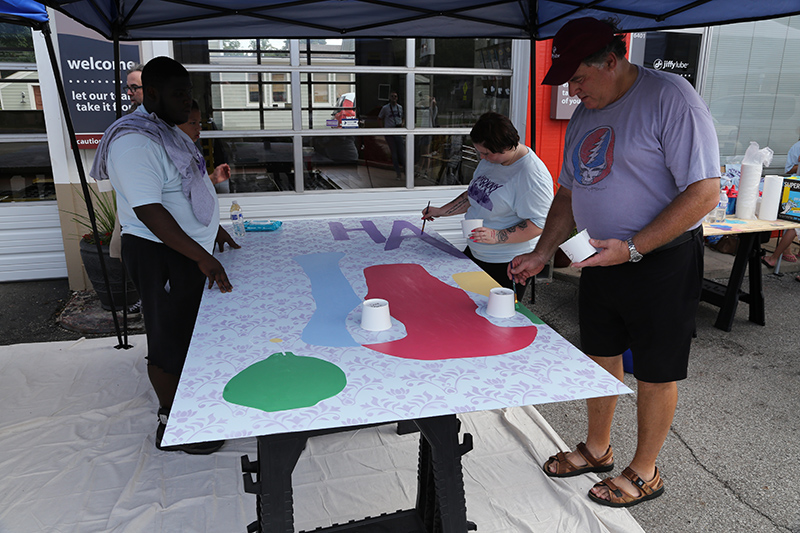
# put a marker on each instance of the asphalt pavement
(730, 462)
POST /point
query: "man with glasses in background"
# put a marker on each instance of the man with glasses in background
(133, 86)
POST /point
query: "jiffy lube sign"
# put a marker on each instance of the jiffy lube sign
(87, 65)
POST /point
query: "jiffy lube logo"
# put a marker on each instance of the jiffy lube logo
(669, 64)
(594, 156)
(481, 189)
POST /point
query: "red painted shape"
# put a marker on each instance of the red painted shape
(440, 320)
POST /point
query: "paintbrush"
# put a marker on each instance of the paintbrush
(424, 220)
(514, 285)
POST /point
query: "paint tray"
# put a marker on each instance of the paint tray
(262, 225)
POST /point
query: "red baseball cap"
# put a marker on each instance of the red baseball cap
(574, 42)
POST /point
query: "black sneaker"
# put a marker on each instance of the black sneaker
(197, 448)
(135, 308)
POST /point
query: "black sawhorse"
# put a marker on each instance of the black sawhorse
(441, 504)
(727, 297)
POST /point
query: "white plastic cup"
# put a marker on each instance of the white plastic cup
(470, 224)
(578, 248)
(501, 303)
(375, 315)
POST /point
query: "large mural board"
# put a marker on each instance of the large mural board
(285, 351)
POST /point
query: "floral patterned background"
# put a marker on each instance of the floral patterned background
(272, 303)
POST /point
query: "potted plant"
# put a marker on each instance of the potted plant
(105, 210)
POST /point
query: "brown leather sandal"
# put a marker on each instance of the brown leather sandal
(566, 468)
(619, 498)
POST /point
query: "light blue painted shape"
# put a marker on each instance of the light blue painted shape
(334, 297)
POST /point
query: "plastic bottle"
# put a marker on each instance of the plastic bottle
(237, 219)
(722, 207)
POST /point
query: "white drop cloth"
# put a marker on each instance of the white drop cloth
(77, 427)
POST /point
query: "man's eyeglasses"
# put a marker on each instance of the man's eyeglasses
(132, 88)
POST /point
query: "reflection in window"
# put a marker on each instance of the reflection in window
(16, 44)
(328, 99)
(373, 52)
(464, 53)
(232, 52)
(234, 101)
(25, 172)
(348, 162)
(444, 160)
(339, 98)
(458, 100)
(258, 164)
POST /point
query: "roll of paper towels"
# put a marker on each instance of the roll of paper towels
(748, 191)
(770, 198)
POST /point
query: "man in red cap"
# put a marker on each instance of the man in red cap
(640, 171)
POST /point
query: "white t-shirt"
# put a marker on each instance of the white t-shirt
(143, 174)
(504, 196)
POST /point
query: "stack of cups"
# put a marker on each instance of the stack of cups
(748, 191)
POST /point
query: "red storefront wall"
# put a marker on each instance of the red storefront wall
(549, 133)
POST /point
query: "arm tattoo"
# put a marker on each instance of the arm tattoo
(502, 235)
(458, 203)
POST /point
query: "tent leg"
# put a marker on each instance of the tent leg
(81, 174)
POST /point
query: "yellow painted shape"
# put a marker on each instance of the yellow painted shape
(478, 282)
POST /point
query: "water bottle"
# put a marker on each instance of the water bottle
(237, 218)
(722, 207)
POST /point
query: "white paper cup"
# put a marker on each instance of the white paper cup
(375, 315)
(501, 303)
(578, 248)
(469, 224)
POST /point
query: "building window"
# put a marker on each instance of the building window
(342, 86)
(751, 87)
(25, 170)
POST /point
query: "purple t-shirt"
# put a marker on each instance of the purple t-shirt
(626, 162)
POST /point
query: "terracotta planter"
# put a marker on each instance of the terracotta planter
(116, 277)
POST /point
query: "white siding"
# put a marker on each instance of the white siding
(30, 242)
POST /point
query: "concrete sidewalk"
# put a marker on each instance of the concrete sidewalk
(730, 461)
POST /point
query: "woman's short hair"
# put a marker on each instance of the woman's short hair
(495, 132)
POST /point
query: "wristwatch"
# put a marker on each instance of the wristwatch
(635, 255)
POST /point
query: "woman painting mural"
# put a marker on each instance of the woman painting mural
(511, 190)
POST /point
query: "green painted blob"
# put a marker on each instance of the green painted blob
(285, 381)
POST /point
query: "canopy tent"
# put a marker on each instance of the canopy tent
(118, 20)
(517, 19)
